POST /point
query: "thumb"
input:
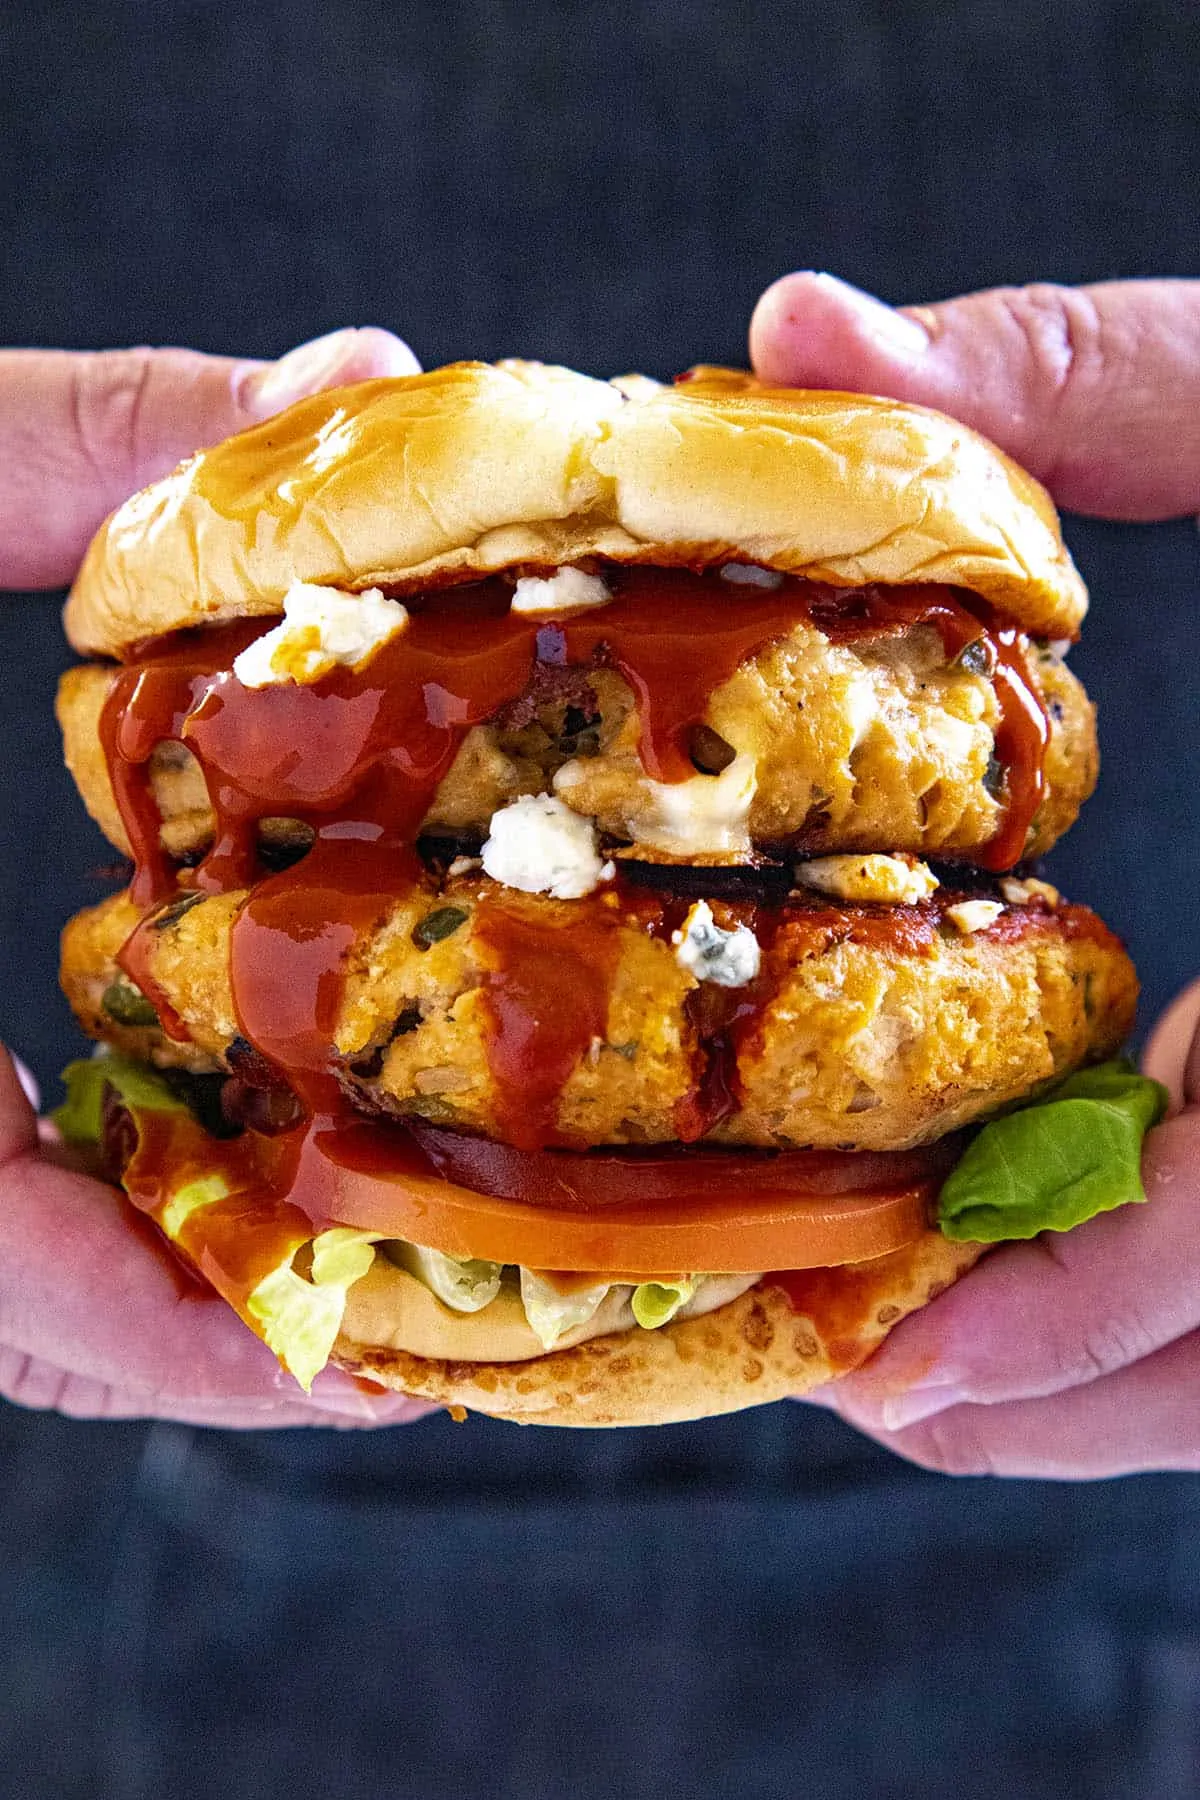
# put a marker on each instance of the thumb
(1096, 390)
(18, 1120)
(1172, 1054)
(81, 431)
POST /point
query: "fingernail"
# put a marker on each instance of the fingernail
(893, 331)
(28, 1081)
(324, 362)
(924, 1401)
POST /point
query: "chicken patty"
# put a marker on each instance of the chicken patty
(831, 746)
(864, 1027)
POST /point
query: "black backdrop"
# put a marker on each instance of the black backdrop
(755, 1605)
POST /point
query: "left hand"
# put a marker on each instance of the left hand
(93, 1319)
(1077, 1354)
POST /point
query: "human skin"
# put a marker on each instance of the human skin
(1075, 1355)
(1068, 1357)
(94, 1321)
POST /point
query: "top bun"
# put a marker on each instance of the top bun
(430, 479)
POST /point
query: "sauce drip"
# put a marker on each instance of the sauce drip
(547, 993)
(358, 757)
(844, 1305)
(724, 1020)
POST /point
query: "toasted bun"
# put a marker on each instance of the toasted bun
(755, 1349)
(476, 468)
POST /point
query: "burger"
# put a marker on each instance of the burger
(583, 958)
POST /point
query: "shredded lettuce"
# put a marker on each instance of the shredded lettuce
(655, 1303)
(551, 1314)
(205, 1191)
(1050, 1166)
(464, 1284)
(299, 1320)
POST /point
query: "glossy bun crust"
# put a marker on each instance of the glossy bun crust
(755, 1349)
(437, 478)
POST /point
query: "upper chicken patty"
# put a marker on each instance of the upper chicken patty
(878, 743)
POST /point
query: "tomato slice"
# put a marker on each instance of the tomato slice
(656, 1214)
(632, 1214)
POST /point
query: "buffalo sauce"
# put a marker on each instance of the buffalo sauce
(357, 757)
(842, 1303)
(233, 1242)
(546, 990)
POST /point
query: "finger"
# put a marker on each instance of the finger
(43, 1386)
(1142, 1419)
(18, 1121)
(85, 1295)
(1172, 1055)
(81, 431)
(1059, 1312)
(1096, 390)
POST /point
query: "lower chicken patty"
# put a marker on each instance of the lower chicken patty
(838, 746)
(867, 1027)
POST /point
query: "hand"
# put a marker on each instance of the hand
(1077, 1354)
(92, 1320)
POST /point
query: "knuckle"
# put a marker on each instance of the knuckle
(108, 398)
(1063, 337)
(950, 1443)
(1089, 1341)
(1115, 1343)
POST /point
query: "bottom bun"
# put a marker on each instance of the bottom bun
(762, 1346)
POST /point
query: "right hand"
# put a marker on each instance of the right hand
(1077, 1354)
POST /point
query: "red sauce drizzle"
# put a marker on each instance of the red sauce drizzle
(547, 993)
(843, 1304)
(359, 756)
(724, 1021)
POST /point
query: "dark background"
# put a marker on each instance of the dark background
(764, 1605)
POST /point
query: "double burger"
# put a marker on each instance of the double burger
(582, 957)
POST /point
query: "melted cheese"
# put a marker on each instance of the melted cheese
(704, 816)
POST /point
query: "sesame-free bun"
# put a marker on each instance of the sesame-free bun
(752, 1350)
(467, 470)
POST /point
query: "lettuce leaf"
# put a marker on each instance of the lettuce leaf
(79, 1116)
(1050, 1166)
(655, 1303)
(299, 1320)
(464, 1284)
(552, 1314)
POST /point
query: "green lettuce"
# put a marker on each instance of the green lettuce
(1050, 1166)
(465, 1284)
(551, 1314)
(298, 1317)
(655, 1303)
(79, 1116)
